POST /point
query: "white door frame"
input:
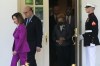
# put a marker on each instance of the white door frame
(78, 32)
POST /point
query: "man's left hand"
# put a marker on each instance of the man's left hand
(38, 49)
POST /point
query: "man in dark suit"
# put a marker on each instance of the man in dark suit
(63, 40)
(34, 34)
(52, 23)
(53, 18)
(70, 19)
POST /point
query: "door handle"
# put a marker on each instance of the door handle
(75, 32)
(46, 38)
(74, 36)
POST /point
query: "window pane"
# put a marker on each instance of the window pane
(39, 2)
(39, 12)
(29, 2)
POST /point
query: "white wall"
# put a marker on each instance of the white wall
(7, 8)
(84, 16)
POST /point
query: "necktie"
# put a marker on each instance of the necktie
(27, 22)
(68, 19)
(55, 17)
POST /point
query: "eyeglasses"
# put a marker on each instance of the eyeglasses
(25, 12)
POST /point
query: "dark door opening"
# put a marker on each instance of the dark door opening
(66, 9)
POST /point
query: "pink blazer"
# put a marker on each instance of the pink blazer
(20, 39)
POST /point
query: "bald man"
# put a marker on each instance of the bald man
(34, 34)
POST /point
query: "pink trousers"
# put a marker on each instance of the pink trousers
(19, 56)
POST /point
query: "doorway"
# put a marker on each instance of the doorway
(62, 6)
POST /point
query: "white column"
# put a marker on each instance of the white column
(7, 8)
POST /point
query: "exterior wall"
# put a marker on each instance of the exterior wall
(7, 8)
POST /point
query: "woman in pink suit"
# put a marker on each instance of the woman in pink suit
(20, 46)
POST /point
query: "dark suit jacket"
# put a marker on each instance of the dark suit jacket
(72, 23)
(52, 23)
(66, 33)
(34, 32)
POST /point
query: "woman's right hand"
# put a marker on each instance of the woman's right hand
(14, 52)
